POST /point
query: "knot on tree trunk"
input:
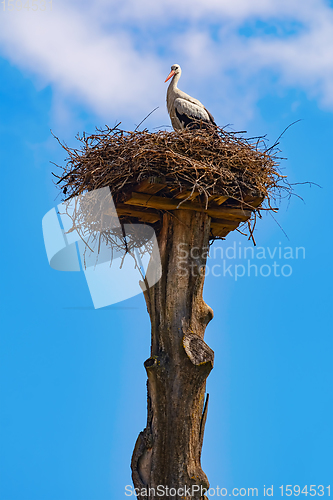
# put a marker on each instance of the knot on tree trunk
(197, 350)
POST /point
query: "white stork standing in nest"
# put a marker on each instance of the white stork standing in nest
(184, 110)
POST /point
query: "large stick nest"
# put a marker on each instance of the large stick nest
(207, 161)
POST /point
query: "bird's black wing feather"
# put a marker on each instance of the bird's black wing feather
(194, 123)
(211, 117)
(188, 121)
(191, 115)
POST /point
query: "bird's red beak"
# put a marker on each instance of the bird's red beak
(172, 72)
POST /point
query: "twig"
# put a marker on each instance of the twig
(145, 118)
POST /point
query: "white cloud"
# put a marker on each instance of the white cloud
(68, 50)
(146, 11)
(90, 53)
(307, 62)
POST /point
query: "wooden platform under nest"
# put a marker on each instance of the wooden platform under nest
(153, 195)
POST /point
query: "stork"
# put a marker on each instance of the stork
(184, 110)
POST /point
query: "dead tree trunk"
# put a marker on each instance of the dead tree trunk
(167, 453)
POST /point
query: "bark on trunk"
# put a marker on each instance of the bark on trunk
(167, 453)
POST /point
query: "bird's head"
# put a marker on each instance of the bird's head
(175, 70)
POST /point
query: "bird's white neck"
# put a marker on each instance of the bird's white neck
(174, 81)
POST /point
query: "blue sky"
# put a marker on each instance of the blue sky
(73, 395)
